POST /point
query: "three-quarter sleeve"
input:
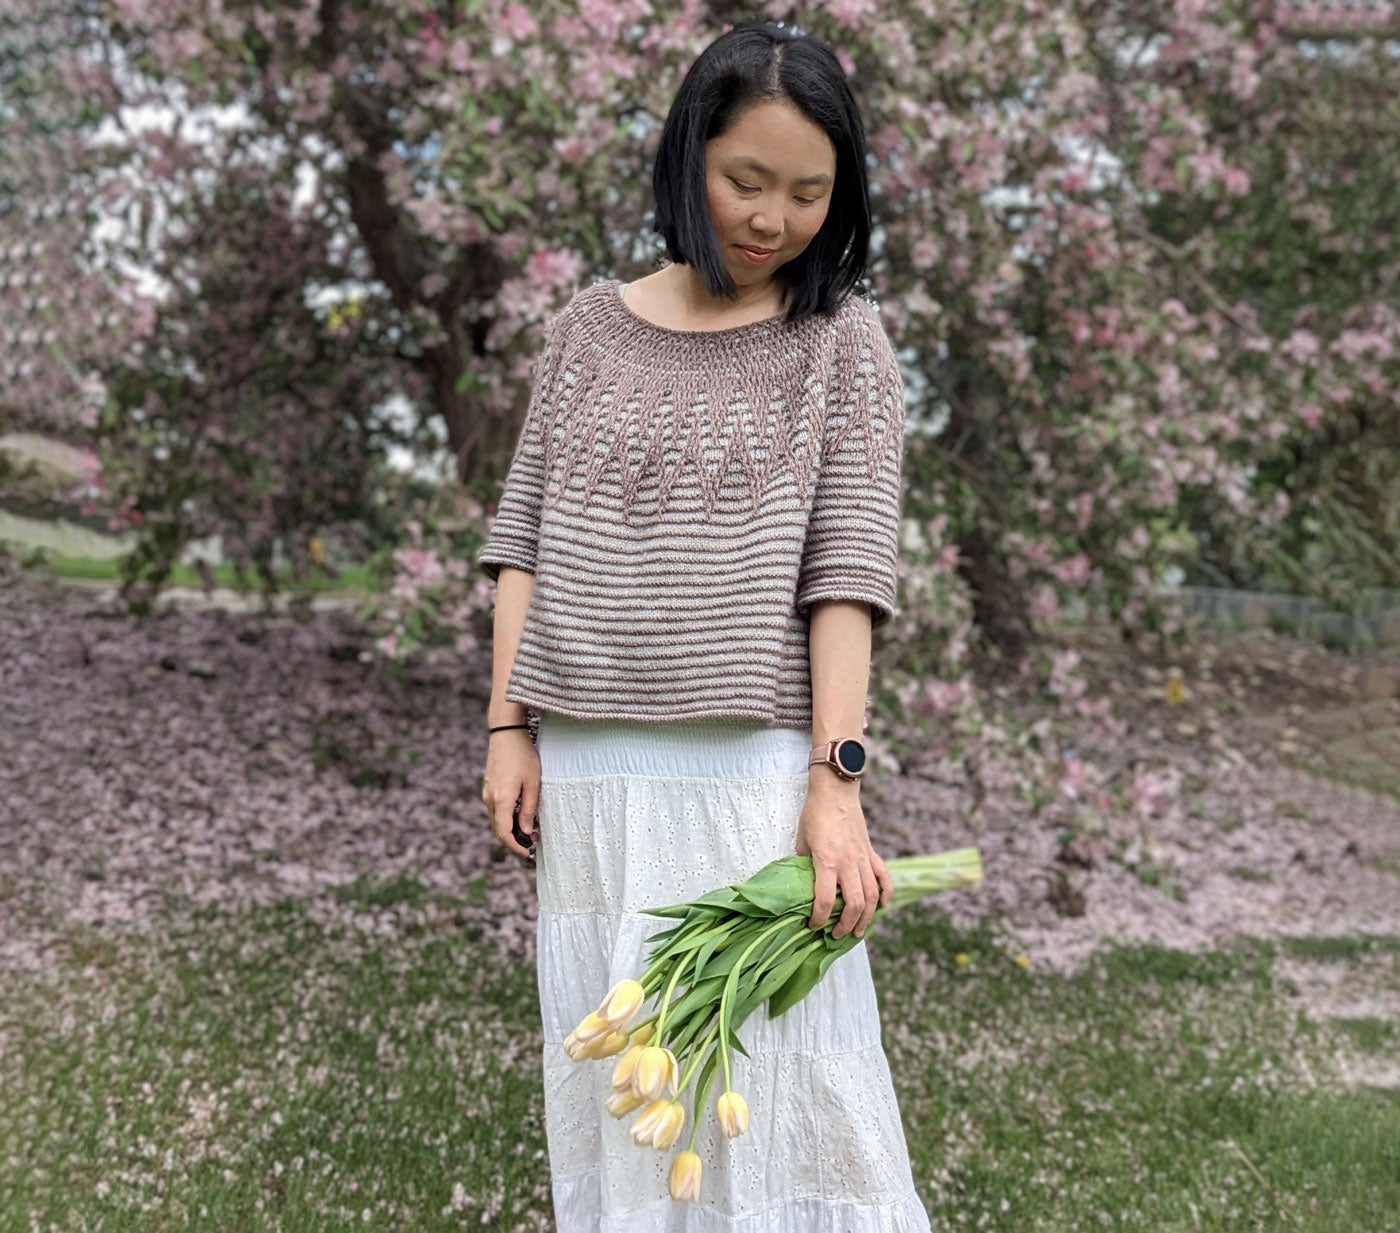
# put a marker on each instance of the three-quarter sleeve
(513, 536)
(852, 544)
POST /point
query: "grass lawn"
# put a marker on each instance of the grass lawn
(357, 1061)
(353, 578)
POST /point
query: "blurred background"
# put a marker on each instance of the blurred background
(272, 280)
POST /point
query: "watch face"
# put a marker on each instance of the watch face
(851, 755)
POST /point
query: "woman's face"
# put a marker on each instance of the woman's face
(769, 179)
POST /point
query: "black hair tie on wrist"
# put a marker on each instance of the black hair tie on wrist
(504, 727)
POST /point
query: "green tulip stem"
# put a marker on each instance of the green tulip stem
(670, 989)
(724, 997)
(695, 1060)
(700, 1094)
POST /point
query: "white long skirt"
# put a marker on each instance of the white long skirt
(637, 815)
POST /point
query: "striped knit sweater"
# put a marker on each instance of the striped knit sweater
(684, 497)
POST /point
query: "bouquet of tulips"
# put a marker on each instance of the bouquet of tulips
(732, 949)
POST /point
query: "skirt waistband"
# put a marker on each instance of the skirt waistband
(572, 748)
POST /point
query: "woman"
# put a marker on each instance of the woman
(696, 537)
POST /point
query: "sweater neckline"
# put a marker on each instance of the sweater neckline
(762, 325)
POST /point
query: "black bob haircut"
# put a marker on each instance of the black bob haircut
(753, 62)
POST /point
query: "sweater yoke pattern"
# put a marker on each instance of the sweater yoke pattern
(753, 407)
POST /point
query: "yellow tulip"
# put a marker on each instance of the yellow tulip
(659, 1124)
(316, 550)
(655, 1070)
(623, 1002)
(622, 1072)
(575, 1047)
(643, 1034)
(644, 1128)
(606, 1046)
(663, 1127)
(685, 1176)
(733, 1114)
(592, 1027)
(621, 1103)
(670, 1129)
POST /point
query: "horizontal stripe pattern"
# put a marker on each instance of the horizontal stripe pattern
(684, 498)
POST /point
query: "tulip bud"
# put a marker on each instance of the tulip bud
(643, 1034)
(621, 1103)
(647, 1121)
(575, 1047)
(733, 1114)
(626, 1065)
(685, 1176)
(623, 1002)
(655, 1070)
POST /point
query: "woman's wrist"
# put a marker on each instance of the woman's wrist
(822, 777)
(507, 713)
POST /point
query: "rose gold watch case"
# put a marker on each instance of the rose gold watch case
(826, 755)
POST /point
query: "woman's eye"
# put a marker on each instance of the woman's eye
(749, 188)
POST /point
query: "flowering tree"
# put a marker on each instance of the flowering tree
(1140, 258)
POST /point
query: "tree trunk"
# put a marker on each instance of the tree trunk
(999, 603)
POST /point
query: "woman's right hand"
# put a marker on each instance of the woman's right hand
(512, 774)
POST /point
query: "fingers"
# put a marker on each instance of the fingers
(883, 876)
(529, 801)
(502, 826)
(865, 885)
(858, 891)
(871, 886)
(823, 895)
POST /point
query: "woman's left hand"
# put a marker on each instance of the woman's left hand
(832, 832)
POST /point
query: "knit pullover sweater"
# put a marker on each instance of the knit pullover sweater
(683, 498)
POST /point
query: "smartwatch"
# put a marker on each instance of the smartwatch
(845, 755)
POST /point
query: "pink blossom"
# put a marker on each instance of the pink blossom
(420, 565)
(459, 55)
(1045, 603)
(848, 13)
(1072, 776)
(942, 696)
(1073, 569)
(549, 268)
(518, 23)
(1302, 345)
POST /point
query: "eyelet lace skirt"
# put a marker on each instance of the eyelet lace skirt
(636, 815)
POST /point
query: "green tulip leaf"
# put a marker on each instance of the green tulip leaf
(723, 897)
(686, 1035)
(796, 987)
(706, 991)
(779, 976)
(705, 1078)
(780, 886)
(734, 1042)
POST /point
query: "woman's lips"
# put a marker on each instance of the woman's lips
(758, 258)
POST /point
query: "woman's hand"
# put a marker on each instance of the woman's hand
(832, 832)
(512, 774)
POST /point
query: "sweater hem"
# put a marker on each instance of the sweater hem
(734, 714)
